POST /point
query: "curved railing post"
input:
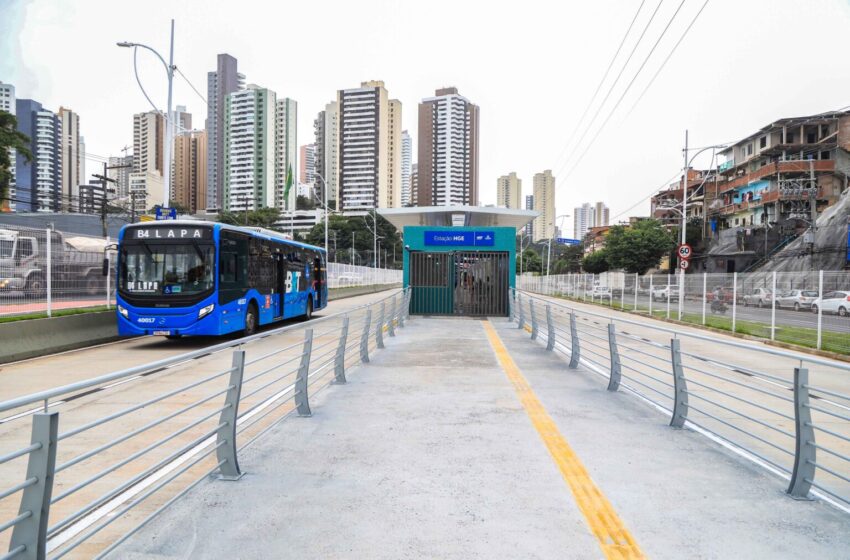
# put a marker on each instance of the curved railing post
(521, 322)
(302, 399)
(226, 434)
(401, 303)
(533, 319)
(614, 379)
(550, 329)
(364, 338)
(379, 328)
(339, 359)
(680, 386)
(391, 322)
(805, 450)
(30, 534)
(575, 348)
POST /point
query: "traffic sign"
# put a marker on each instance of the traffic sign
(567, 241)
(166, 213)
(684, 264)
(684, 251)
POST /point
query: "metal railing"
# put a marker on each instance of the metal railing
(809, 309)
(342, 275)
(787, 411)
(184, 419)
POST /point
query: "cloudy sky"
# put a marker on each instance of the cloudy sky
(532, 66)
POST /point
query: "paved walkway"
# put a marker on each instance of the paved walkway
(464, 439)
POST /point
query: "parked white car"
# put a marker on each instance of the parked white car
(796, 299)
(760, 297)
(600, 292)
(659, 293)
(837, 302)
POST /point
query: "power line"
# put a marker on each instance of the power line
(602, 81)
(613, 85)
(660, 68)
(625, 91)
(192, 86)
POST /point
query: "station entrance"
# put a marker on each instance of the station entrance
(466, 283)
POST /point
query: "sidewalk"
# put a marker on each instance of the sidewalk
(429, 452)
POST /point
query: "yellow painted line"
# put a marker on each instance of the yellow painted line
(613, 536)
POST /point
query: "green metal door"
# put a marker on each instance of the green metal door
(431, 283)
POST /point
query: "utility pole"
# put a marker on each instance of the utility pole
(813, 209)
(106, 180)
(684, 226)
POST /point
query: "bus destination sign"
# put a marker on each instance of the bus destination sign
(168, 233)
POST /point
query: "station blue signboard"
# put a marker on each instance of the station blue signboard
(166, 213)
(568, 241)
(460, 238)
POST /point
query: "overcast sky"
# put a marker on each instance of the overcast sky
(531, 66)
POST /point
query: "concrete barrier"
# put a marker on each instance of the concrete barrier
(37, 337)
(30, 338)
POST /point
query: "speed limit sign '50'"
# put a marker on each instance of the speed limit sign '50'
(684, 251)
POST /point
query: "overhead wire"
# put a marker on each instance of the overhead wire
(601, 82)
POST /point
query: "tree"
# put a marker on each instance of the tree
(639, 247)
(568, 260)
(531, 261)
(10, 139)
(596, 262)
(304, 203)
(359, 228)
(262, 217)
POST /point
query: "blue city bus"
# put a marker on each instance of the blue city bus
(183, 278)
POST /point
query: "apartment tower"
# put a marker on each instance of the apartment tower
(406, 163)
(148, 142)
(220, 83)
(544, 202)
(7, 103)
(285, 152)
(307, 164)
(448, 150)
(326, 129)
(509, 191)
(190, 170)
(369, 148)
(584, 218)
(39, 185)
(71, 159)
(249, 149)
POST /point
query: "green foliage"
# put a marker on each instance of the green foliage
(304, 203)
(262, 217)
(596, 262)
(568, 259)
(10, 138)
(531, 261)
(637, 248)
(343, 227)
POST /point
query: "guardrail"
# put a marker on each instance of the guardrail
(787, 411)
(93, 472)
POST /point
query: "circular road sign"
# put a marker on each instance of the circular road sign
(684, 251)
(684, 264)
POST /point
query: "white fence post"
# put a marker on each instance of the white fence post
(49, 275)
(669, 290)
(637, 282)
(108, 275)
(734, 299)
(704, 286)
(773, 308)
(820, 307)
(651, 278)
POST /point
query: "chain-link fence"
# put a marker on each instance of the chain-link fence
(345, 275)
(44, 271)
(806, 308)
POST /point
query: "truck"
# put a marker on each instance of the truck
(77, 262)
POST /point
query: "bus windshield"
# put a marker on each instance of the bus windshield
(166, 269)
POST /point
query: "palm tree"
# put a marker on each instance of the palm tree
(10, 139)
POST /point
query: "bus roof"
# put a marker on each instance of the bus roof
(262, 233)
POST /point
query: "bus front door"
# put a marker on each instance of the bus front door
(280, 282)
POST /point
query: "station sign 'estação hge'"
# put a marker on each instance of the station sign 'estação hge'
(460, 238)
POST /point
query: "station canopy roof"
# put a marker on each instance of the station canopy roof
(459, 216)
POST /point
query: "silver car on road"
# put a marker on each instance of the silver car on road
(797, 299)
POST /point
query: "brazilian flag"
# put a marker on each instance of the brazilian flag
(287, 186)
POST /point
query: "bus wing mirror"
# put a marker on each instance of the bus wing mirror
(105, 269)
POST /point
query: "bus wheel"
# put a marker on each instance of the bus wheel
(250, 320)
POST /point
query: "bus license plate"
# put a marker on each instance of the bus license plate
(165, 333)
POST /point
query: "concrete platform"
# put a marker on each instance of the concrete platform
(429, 452)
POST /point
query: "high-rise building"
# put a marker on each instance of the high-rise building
(147, 188)
(220, 83)
(7, 103)
(39, 186)
(509, 191)
(406, 163)
(249, 149)
(307, 164)
(601, 214)
(148, 142)
(190, 170)
(285, 152)
(92, 197)
(369, 148)
(326, 129)
(448, 150)
(182, 120)
(414, 184)
(71, 159)
(584, 218)
(119, 169)
(544, 202)
(82, 145)
(529, 205)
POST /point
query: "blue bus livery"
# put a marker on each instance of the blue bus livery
(185, 278)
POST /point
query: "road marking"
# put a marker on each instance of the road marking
(610, 531)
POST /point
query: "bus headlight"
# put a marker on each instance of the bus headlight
(123, 312)
(206, 310)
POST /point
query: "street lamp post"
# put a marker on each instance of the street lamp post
(374, 216)
(169, 128)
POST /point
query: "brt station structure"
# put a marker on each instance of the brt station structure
(455, 417)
